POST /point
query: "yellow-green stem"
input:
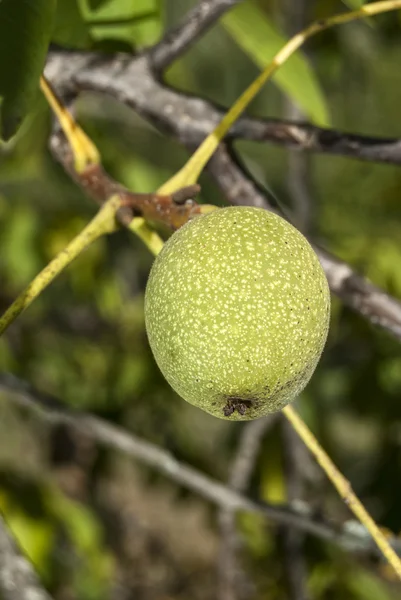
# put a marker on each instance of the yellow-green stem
(104, 222)
(343, 487)
(341, 484)
(188, 175)
(149, 237)
(191, 171)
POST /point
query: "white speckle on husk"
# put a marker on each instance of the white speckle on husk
(237, 312)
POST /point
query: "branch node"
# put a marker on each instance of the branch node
(186, 194)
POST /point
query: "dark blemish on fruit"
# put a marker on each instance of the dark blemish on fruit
(300, 320)
(236, 404)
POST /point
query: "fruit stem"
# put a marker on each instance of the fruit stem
(343, 487)
(148, 236)
(104, 222)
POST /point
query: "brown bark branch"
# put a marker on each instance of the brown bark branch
(292, 541)
(295, 17)
(177, 41)
(189, 119)
(174, 210)
(351, 536)
(233, 582)
(354, 290)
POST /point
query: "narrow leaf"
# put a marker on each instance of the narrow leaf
(137, 22)
(257, 36)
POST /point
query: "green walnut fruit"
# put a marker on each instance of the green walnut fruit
(237, 312)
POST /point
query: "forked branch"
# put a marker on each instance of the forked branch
(343, 487)
(351, 537)
(189, 174)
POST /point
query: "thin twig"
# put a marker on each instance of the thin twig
(103, 222)
(80, 159)
(293, 540)
(248, 450)
(240, 188)
(190, 119)
(310, 138)
(18, 581)
(181, 38)
(351, 536)
(343, 487)
(355, 291)
(232, 582)
(195, 165)
(299, 180)
(295, 16)
(192, 169)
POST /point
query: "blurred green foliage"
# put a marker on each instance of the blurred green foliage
(254, 32)
(25, 30)
(90, 520)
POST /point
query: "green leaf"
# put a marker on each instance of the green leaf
(25, 30)
(368, 587)
(137, 22)
(70, 29)
(257, 36)
(95, 4)
(18, 244)
(354, 4)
